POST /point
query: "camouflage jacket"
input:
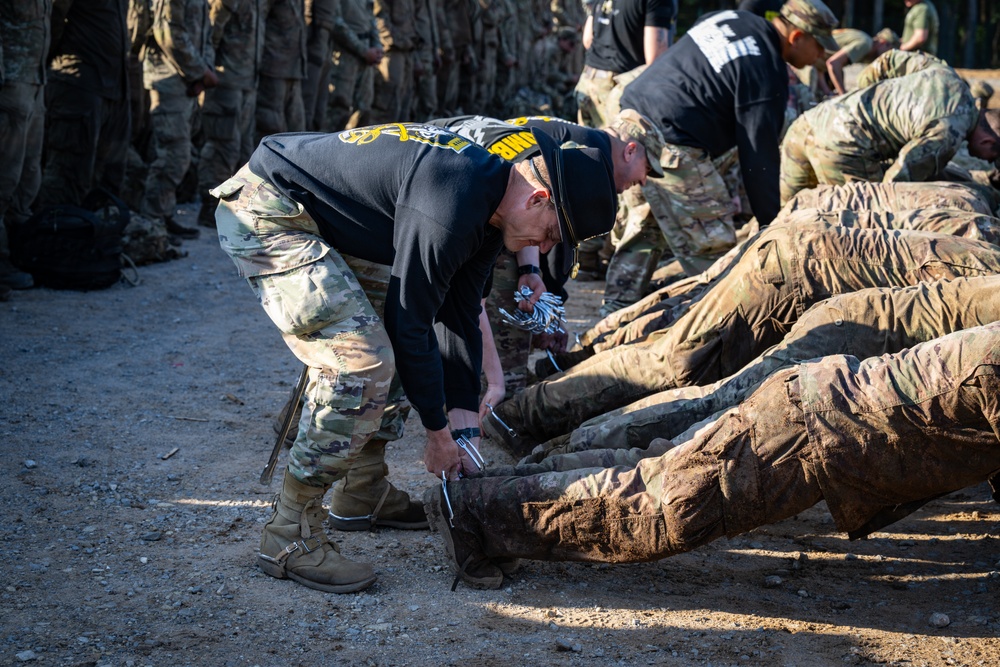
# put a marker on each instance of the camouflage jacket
(285, 40)
(914, 123)
(238, 40)
(90, 44)
(24, 40)
(395, 24)
(356, 31)
(181, 44)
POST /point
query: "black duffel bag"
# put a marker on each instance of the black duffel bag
(72, 247)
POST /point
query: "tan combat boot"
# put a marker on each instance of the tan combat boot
(295, 546)
(365, 499)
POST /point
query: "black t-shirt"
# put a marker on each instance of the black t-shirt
(618, 27)
(418, 198)
(767, 9)
(723, 84)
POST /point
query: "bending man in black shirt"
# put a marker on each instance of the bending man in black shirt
(370, 250)
(724, 84)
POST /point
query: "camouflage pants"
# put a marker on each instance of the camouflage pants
(171, 115)
(591, 95)
(227, 120)
(22, 122)
(353, 84)
(425, 87)
(393, 87)
(864, 324)
(86, 144)
(513, 344)
(875, 439)
(639, 245)
(784, 271)
(279, 106)
(327, 308)
(693, 207)
(316, 87)
(810, 158)
(862, 195)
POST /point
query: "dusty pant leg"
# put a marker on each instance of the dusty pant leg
(648, 325)
(797, 173)
(591, 95)
(71, 136)
(636, 254)
(513, 344)
(865, 196)
(316, 301)
(393, 87)
(345, 75)
(171, 113)
(20, 105)
(743, 471)
(693, 207)
(223, 125)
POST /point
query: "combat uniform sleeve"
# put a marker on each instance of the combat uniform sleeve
(322, 13)
(384, 20)
(757, 130)
(60, 9)
(894, 64)
(171, 33)
(346, 39)
(219, 13)
(927, 155)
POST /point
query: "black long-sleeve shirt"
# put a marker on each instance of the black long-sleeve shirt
(722, 85)
(418, 198)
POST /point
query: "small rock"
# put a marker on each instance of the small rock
(772, 581)
(414, 607)
(143, 560)
(26, 656)
(29, 464)
(802, 593)
(939, 620)
(152, 536)
(567, 645)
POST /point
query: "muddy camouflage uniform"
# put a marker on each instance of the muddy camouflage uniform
(283, 69)
(255, 229)
(864, 324)
(177, 57)
(902, 128)
(227, 114)
(875, 439)
(863, 195)
(784, 271)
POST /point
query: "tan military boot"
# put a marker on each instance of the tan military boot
(295, 546)
(365, 499)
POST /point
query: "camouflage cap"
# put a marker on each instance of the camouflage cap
(630, 122)
(889, 36)
(813, 17)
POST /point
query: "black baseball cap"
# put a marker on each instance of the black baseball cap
(583, 190)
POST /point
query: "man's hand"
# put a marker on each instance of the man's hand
(553, 342)
(373, 56)
(494, 396)
(210, 79)
(442, 454)
(535, 283)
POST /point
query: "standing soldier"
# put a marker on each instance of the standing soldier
(394, 81)
(282, 70)
(320, 18)
(228, 109)
(357, 52)
(426, 59)
(176, 69)
(88, 128)
(24, 45)
(920, 28)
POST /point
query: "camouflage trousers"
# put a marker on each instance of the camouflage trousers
(279, 106)
(86, 144)
(591, 96)
(862, 195)
(316, 87)
(692, 206)
(810, 158)
(751, 306)
(867, 323)
(227, 120)
(639, 245)
(353, 89)
(513, 344)
(875, 439)
(22, 123)
(328, 308)
(171, 116)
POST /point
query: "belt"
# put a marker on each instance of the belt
(594, 73)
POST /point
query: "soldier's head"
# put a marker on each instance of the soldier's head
(884, 40)
(805, 28)
(635, 150)
(984, 143)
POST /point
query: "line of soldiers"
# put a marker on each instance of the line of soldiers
(158, 99)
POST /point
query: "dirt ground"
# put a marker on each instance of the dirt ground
(115, 554)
